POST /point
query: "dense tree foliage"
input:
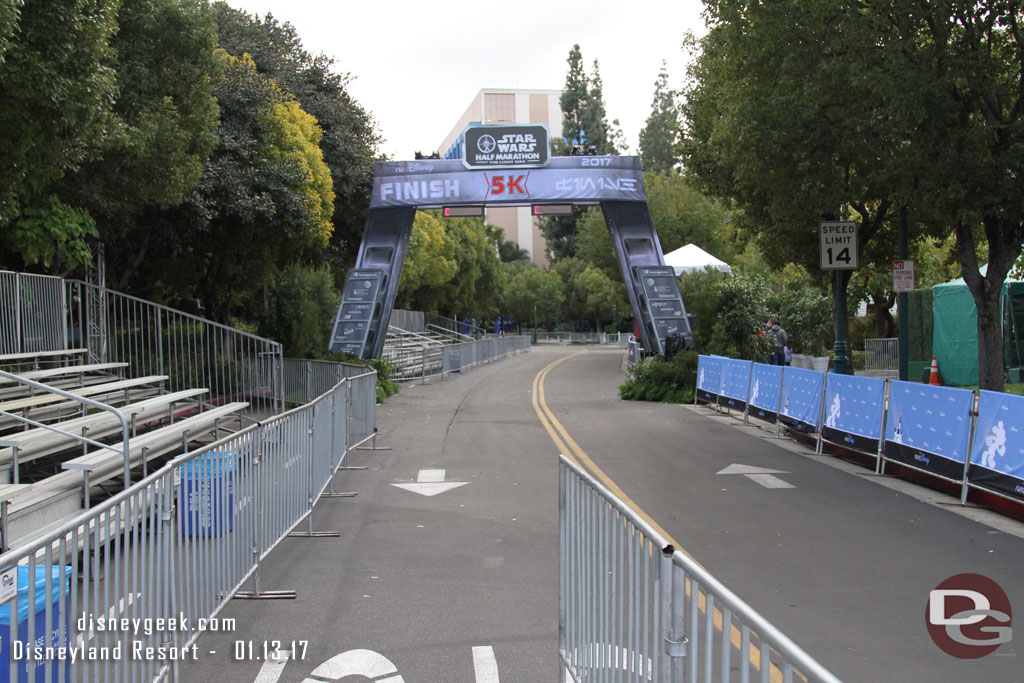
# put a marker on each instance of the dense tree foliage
(162, 128)
(255, 209)
(57, 87)
(530, 290)
(585, 123)
(659, 137)
(451, 268)
(349, 138)
(840, 110)
(429, 262)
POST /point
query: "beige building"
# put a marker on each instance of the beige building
(498, 105)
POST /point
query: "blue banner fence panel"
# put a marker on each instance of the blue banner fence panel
(801, 398)
(765, 392)
(709, 378)
(928, 428)
(997, 459)
(924, 427)
(735, 384)
(854, 412)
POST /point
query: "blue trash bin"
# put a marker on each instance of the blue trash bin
(58, 590)
(207, 494)
(455, 361)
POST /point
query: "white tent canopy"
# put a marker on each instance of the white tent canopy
(691, 257)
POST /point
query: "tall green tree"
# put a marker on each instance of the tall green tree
(597, 133)
(660, 135)
(598, 294)
(782, 118)
(803, 112)
(350, 138)
(574, 101)
(530, 289)
(966, 64)
(57, 88)
(429, 265)
(455, 268)
(162, 129)
(253, 210)
(584, 122)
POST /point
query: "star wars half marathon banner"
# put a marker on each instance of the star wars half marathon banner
(765, 389)
(735, 383)
(506, 146)
(853, 411)
(927, 427)
(431, 183)
(997, 459)
(709, 378)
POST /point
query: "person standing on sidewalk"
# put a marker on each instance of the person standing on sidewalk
(781, 342)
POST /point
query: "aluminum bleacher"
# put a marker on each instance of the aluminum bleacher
(100, 387)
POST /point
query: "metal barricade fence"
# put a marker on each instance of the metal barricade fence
(362, 409)
(633, 608)
(882, 356)
(305, 379)
(51, 314)
(176, 547)
(192, 351)
(34, 308)
(433, 361)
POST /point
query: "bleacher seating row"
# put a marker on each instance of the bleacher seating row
(49, 435)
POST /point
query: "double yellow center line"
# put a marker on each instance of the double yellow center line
(568, 447)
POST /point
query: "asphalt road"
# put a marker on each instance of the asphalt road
(461, 586)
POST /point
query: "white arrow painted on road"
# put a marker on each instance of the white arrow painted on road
(762, 476)
(431, 483)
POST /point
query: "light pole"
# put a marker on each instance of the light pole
(535, 323)
(615, 321)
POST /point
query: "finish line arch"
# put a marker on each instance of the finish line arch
(401, 188)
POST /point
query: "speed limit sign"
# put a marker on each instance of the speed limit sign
(838, 245)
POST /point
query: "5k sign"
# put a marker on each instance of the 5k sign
(506, 186)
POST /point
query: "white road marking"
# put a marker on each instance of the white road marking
(763, 476)
(485, 665)
(272, 669)
(770, 481)
(431, 483)
(365, 663)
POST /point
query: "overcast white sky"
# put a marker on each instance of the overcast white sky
(417, 64)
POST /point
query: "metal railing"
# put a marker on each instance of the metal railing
(633, 608)
(86, 403)
(53, 314)
(177, 545)
(305, 379)
(882, 356)
(32, 308)
(420, 362)
(613, 338)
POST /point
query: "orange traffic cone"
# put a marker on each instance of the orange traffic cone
(934, 378)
